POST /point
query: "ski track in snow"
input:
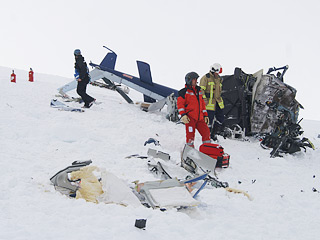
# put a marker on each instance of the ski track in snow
(37, 141)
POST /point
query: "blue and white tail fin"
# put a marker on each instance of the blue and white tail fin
(144, 72)
(109, 60)
(145, 76)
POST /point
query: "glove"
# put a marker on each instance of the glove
(206, 119)
(185, 119)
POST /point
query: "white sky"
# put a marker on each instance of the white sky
(173, 36)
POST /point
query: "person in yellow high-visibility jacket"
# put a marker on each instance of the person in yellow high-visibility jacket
(211, 85)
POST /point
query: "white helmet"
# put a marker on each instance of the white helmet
(216, 68)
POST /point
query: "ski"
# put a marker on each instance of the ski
(66, 98)
(63, 107)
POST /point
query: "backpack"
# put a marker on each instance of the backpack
(216, 151)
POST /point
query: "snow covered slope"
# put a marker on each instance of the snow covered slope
(36, 141)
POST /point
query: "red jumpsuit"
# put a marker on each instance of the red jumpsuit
(30, 75)
(191, 103)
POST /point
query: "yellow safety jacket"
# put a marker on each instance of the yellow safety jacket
(212, 87)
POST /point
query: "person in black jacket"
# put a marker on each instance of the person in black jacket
(83, 78)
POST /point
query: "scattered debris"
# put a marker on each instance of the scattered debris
(141, 223)
(152, 140)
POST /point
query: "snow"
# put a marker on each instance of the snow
(38, 141)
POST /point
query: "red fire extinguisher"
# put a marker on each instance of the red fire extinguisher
(30, 75)
(13, 77)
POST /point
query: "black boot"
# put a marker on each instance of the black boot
(213, 136)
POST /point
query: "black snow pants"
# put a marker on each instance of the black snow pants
(81, 90)
(216, 126)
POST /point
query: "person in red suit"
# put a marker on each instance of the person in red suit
(192, 109)
(31, 75)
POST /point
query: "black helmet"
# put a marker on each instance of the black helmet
(190, 76)
(77, 52)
